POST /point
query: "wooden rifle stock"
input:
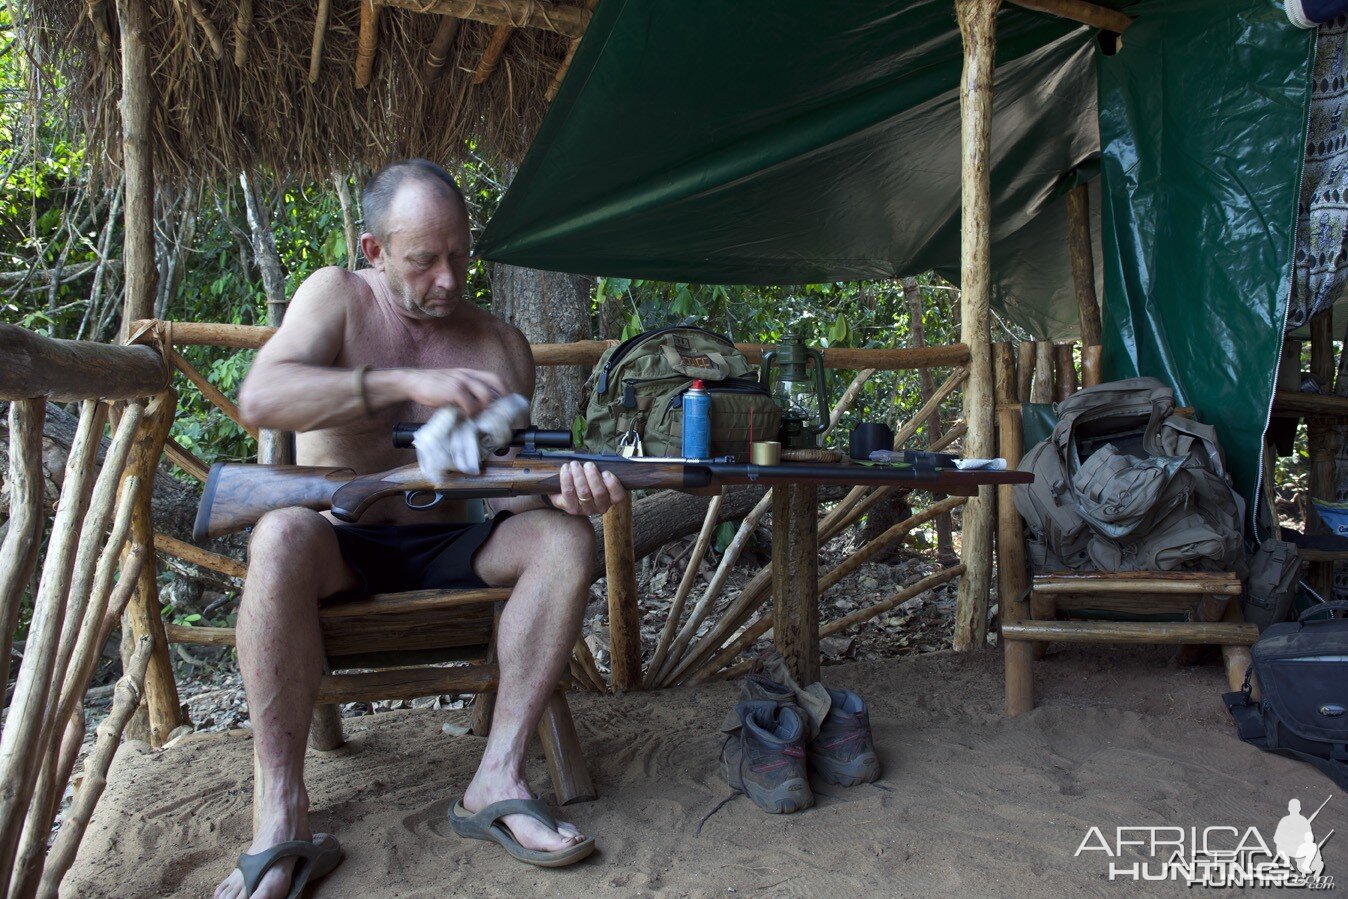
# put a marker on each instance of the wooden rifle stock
(237, 495)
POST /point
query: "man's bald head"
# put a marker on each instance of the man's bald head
(380, 191)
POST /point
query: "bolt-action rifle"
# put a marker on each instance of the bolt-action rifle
(236, 495)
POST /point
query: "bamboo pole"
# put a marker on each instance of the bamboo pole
(316, 45)
(367, 42)
(1218, 633)
(884, 605)
(183, 458)
(20, 758)
(95, 559)
(565, 19)
(212, 393)
(491, 56)
(855, 560)
(143, 616)
(438, 54)
(587, 352)
(1013, 572)
(685, 586)
(128, 697)
(624, 615)
(589, 666)
(172, 546)
(137, 108)
(978, 24)
(42, 811)
(19, 553)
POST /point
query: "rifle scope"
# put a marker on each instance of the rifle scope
(529, 438)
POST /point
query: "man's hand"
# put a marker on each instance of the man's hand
(469, 390)
(586, 490)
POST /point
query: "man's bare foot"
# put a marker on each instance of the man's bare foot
(488, 787)
(277, 825)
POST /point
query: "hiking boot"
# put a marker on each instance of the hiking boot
(760, 687)
(765, 759)
(844, 752)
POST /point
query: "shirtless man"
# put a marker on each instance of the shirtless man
(358, 352)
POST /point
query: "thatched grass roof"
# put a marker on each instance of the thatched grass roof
(214, 117)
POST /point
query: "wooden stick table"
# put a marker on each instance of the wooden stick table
(795, 556)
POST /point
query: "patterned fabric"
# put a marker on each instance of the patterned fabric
(1322, 221)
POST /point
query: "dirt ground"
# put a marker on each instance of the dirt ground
(970, 803)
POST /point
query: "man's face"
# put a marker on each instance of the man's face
(424, 259)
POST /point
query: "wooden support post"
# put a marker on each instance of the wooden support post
(624, 617)
(978, 24)
(1041, 388)
(1025, 359)
(143, 617)
(1013, 572)
(73, 370)
(1083, 263)
(795, 573)
(1065, 380)
(137, 107)
(1322, 445)
(1090, 366)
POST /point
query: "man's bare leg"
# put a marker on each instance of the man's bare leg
(548, 557)
(293, 562)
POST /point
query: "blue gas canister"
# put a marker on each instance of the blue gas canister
(697, 422)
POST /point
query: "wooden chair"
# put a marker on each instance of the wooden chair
(1122, 606)
(394, 646)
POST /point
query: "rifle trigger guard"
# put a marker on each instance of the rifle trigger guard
(409, 499)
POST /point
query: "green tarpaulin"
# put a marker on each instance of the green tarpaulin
(1203, 121)
(798, 142)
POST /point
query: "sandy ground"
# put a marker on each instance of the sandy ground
(970, 804)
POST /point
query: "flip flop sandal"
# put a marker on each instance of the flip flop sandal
(483, 825)
(316, 859)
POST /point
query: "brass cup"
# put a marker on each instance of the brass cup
(765, 452)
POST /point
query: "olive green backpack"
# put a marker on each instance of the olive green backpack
(636, 393)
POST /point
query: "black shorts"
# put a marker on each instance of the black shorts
(394, 558)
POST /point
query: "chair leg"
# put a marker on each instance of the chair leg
(1042, 608)
(325, 729)
(561, 747)
(1018, 656)
(479, 721)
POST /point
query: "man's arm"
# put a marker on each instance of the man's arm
(294, 386)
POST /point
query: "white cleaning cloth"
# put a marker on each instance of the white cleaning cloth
(449, 442)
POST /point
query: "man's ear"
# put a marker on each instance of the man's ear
(373, 250)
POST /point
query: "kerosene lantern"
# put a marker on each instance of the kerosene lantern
(801, 395)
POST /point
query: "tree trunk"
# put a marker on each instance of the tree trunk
(549, 307)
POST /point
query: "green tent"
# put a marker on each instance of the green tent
(804, 142)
